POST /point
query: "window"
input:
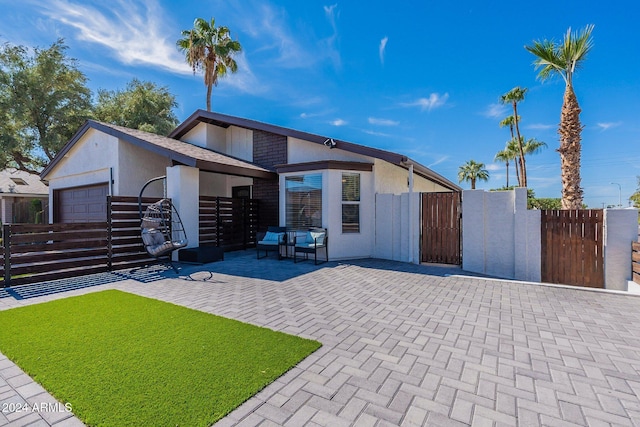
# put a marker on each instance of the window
(350, 202)
(303, 201)
(19, 181)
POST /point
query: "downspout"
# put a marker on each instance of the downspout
(111, 181)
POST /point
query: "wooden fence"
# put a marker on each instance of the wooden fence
(572, 247)
(441, 228)
(635, 261)
(36, 253)
(228, 223)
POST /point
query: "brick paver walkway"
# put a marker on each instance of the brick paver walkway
(408, 345)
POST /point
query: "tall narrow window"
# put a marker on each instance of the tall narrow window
(350, 202)
(303, 201)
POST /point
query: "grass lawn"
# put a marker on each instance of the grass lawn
(121, 359)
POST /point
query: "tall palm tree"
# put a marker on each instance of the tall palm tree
(472, 171)
(506, 155)
(564, 59)
(510, 121)
(533, 146)
(209, 49)
(512, 97)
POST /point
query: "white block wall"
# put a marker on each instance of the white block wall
(397, 230)
(621, 228)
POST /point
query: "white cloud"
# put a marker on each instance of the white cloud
(338, 122)
(608, 125)
(494, 167)
(374, 133)
(329, 44)
(381, 49)
(438, 161)
(382, 122)
(495, 111)
(540, 126)
(434, 101)
(136, 32)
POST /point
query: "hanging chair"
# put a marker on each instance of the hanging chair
(161, 229)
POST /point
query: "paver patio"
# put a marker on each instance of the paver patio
(407, 345)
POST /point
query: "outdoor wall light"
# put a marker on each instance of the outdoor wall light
(330, 143)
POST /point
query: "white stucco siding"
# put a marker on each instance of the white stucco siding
(341, 245)
(88, 162)
(197, 135)
(300, 151)
(135, 167)
(240, 143)
(392, 179)
(215, 184)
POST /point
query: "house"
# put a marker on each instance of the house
(23, 197)
(300, 179)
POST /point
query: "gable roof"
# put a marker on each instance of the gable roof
(179, 152)
(13, 181)
(223, 120)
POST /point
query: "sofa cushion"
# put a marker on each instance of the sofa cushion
(315, 237)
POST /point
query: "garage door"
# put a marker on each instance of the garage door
(81, 204)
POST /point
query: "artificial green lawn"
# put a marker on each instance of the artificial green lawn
(122, 359)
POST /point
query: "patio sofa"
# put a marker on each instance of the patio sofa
(272, 240)
(315, 240)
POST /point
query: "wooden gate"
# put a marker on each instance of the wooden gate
(441, 215)
(572, 247)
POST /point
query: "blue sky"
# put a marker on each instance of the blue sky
(422, 78)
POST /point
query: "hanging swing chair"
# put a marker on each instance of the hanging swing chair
(161, 229)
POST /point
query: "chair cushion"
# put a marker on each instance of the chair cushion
(315, 237)
(273, 237)
(305, 245)
(268, 242)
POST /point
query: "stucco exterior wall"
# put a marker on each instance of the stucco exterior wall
(397, 227)
(392, 179)
(235, 141)
(239, 143)
(135, 166)
(341, 245)
(300, 151)
(621, 228)
(500, 237)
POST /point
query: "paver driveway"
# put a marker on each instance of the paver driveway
(407, 345)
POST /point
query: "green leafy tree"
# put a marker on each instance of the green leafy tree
(471, 172)
(43, 101)
(209, 49)
(564, 59)
(635, 197)
(513, 97)
(142, 105)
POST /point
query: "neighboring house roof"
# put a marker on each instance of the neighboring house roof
(13, 181)
(179, 152)
(222, 120)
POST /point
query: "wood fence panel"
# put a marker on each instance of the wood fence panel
(228, 223)
(127, 250)
(635, 261)
(572, 247)
(441, 228)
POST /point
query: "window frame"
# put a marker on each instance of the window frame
(350, 202)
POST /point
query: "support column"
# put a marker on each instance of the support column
(183, 188)
(620, 229)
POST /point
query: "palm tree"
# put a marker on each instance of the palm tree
(506, 155)
(472, 171)
(210, 49)
(564, 59)
(533, 146)
(510, 121)
(512, 97)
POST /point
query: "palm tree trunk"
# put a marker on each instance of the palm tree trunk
(209, 86)
(569, 150)
(507, 162)
(515, 160)
(523, 169)
(473, 183)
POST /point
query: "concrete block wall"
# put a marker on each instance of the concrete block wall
(500, 237)
(397, 227)
(621, 228)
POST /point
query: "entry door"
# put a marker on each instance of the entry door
(441, 231)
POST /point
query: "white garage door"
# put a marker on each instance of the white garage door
(81, 204)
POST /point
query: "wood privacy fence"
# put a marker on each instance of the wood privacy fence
(572, 247)
(228, 223)
(37, 253)
(635, 261)
(441, 230)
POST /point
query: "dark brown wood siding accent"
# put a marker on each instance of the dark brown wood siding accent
(269, 150)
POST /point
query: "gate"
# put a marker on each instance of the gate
(441, 217)
(572, 247)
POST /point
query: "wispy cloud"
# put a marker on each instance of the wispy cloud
(540, 126)
(383, 122)
(438, 161)
(495, 111)
(338, 122)
(382, 48)
(494, 167)
(135, 32)
(433, 101)
(608, 125)
(329, 44)
(374, 133)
